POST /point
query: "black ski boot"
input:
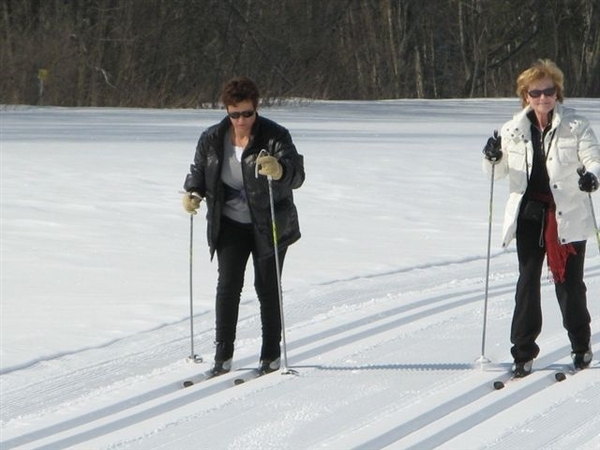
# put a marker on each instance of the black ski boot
(522, 369)
(223, 359)
(269, 365)
(270, 353)
(581, 360)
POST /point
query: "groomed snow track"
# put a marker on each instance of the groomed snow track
(383, 361)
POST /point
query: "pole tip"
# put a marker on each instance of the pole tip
(482, 360)
(195, 359)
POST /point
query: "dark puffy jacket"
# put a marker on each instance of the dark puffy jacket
(205, 178)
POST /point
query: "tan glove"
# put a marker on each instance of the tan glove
(191, 202)
(269, 166)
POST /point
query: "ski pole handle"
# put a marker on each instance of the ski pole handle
(261, 153)
(192, 194)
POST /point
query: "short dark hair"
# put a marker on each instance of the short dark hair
(239, 89)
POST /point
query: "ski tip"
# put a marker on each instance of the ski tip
(560, 376)
(188, 383)
(498, 385)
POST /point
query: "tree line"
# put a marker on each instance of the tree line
(177, 53)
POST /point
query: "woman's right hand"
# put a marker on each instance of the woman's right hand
(492, 150)
(191, 202)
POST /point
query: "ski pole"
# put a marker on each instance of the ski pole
(581, 171)
(193, 356)
(482, 359)
(285, 370)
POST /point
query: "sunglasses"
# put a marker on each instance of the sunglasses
(238, 114)
(548, 92)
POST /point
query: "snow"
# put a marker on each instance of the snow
(384, 294)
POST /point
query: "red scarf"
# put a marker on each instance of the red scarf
(557, 253)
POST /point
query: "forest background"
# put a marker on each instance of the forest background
(177, 53)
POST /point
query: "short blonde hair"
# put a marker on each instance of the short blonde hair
(541, 69)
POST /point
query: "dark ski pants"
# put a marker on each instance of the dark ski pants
(235, 245)
(571, 296)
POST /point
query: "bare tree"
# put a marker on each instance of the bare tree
(165, 53)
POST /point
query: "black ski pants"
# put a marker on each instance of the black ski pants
(235, 245)
(571, 295)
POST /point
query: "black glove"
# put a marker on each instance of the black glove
(587, 180)
(492, 150)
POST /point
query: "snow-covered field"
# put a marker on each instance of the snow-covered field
(384, 294)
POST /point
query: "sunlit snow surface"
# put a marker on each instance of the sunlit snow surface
(384, 293)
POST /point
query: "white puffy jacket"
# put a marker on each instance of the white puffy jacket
(572, 144)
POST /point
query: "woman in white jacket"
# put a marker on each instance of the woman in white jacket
(552, 159)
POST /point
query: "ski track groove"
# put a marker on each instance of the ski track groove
(80, 381)
(409, 434)
(83, 384)
(545, 421)
(206, 389)
(543, 379)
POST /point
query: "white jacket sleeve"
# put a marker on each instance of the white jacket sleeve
(588, 148)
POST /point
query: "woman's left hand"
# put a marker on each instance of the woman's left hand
(269, 166)
(587, 181)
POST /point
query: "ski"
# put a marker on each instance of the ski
(253, 374)
(201, 377)
(567, 373)
(256, 373)
(196, 379)
(559, 376)
(502, 383)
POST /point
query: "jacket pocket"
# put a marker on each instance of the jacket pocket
(567, 150)
(517, 155)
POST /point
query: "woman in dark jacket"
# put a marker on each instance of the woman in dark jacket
(232, 162)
